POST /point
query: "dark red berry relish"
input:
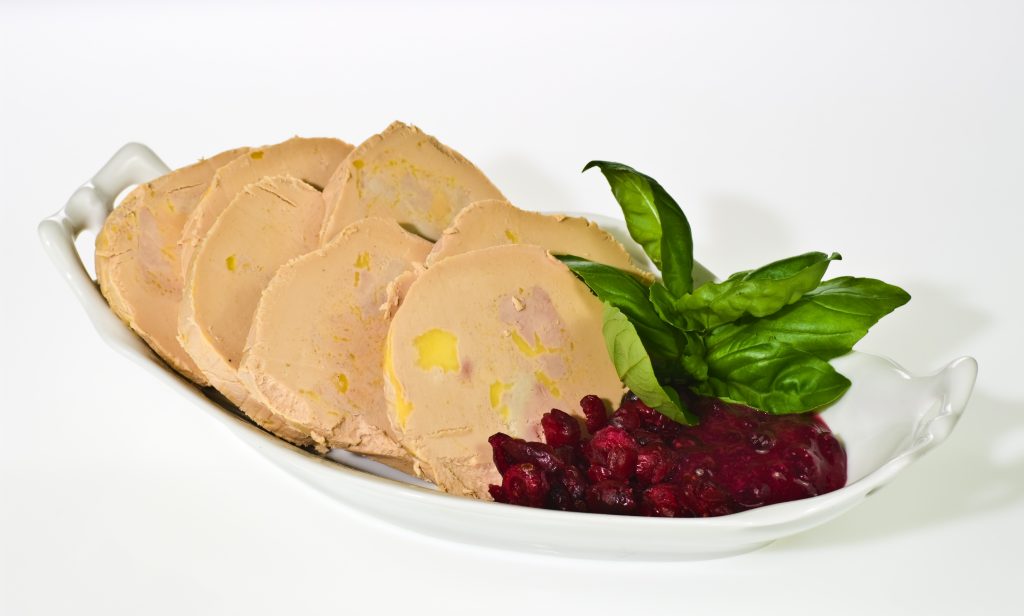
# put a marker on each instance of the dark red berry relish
(639, 462)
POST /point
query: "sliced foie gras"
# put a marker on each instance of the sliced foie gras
(494, 223)
(310, 160)
(315, 351)
(488, 341)
(137, 259)
(405, 175)
(266, 225)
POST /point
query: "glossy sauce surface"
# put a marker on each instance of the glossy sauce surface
(638, 462)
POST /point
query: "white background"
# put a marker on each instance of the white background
(890, 131)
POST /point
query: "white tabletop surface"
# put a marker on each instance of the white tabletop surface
(891, 131)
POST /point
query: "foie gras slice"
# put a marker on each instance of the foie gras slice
(494, 223)
(138, 264)
(266, 225)
(488, 341)
(405, 175)
(310, 160)
(315, 351)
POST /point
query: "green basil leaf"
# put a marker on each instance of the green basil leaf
(633, 365)
(825, 322)
(773, 377)
(694, 358)
(625, 292)
(665, 305)
(758, 293)
(655, 221)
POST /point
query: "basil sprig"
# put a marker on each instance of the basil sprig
(655, 221)
(759, 293)
(761, 337)
(825, 322)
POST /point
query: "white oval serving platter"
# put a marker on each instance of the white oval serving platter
(887, 420)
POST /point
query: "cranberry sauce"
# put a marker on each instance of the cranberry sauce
(639, 462)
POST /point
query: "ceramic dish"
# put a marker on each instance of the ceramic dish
(888, 420)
